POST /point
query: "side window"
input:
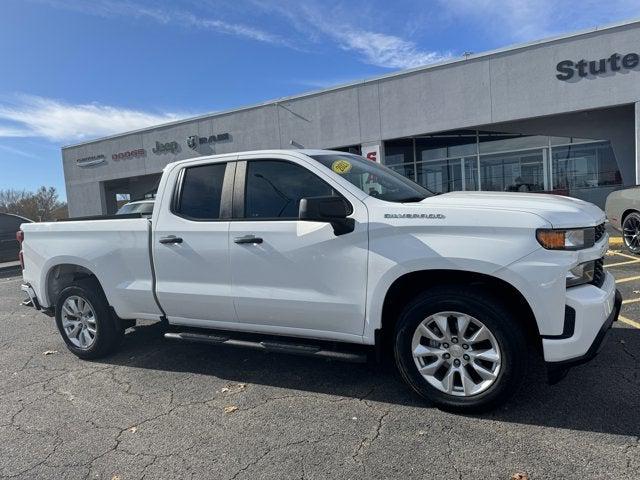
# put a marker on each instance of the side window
(274, 189)
(201, 192)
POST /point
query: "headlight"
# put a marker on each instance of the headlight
(566, 239)
(580, 274)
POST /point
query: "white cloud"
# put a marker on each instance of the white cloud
(387, 50)
(124, 8)
(17, 151)
(318, 22)
(32, 116)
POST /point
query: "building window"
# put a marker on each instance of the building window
(583, 166)
(513, 172)
(512, 162)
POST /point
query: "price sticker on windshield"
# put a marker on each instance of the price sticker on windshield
(341, 166)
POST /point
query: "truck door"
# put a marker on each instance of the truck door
(190, 244)
(288, 275)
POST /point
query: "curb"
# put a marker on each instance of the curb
(10, 267)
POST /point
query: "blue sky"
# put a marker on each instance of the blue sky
(74, 70)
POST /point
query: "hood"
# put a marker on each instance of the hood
(561, 212)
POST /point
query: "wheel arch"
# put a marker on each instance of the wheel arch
(406, 287)
(62, 275)
(626, 213)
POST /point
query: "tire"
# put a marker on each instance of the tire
(631, 232)
(84, 299)
(464, 391)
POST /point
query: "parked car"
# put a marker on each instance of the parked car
(9, 246)
(287, 251)
(143, 207)
(623, 212)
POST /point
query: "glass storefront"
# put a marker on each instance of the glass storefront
(480, 160)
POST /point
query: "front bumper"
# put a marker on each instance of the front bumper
(556, 370)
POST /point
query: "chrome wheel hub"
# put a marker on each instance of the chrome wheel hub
(79, 321)
(456, 353)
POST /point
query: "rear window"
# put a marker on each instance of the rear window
(201, 192)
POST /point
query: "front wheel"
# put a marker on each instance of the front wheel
(631, 232)
(461, 349)
(85, 321)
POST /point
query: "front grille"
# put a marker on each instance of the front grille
(599, 232)
(598, 273)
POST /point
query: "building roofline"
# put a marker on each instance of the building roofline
(431, 66)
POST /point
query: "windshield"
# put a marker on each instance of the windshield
(374, 179)
(145, 208)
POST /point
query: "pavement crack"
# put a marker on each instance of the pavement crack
(366, 441)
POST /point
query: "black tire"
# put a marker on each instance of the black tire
(108, 330)
(630, 225)
(500, 321)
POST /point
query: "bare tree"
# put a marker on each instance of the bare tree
(41, 206)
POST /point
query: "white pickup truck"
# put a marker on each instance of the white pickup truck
(329, 254)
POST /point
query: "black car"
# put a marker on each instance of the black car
(9, 225)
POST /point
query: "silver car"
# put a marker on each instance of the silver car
(623, 212)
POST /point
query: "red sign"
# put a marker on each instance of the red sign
(140, 152)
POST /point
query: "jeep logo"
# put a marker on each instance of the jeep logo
(171, 147)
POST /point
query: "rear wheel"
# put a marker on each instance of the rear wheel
(631, 232)
(460, 348)
(85, 321)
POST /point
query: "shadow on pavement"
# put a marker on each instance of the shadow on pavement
(602, 396)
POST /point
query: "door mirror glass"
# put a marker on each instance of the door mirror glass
(329, 209)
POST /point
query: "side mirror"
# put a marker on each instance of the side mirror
(330, 209)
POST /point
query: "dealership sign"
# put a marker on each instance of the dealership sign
(371, 152)
(140, 152)
(194, 141)
(568, 69)
(169, 147)
(91, 161)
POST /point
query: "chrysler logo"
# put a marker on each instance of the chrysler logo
(91, 161)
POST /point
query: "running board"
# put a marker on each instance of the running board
(269, 346)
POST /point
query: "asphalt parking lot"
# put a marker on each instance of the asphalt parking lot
(159, 409)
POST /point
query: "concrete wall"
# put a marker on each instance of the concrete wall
(500, 87)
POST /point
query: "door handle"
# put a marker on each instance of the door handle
(170, 239)
(247, 239)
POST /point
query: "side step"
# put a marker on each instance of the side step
(269, 346)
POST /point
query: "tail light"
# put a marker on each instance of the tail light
(20, 238)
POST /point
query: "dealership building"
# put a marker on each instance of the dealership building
(560, 115)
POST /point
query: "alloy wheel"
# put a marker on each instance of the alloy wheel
(631, 233)
(79, 321)
(456, 353)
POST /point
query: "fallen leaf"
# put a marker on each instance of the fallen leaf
(234, 388)
(230, 409)
(623, 342)
(116, 477)
(133, 429)
(520, 476)
(49, 352)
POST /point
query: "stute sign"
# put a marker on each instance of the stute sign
(569, 69)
